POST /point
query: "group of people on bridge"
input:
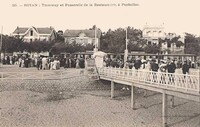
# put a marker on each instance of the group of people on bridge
(156, 65)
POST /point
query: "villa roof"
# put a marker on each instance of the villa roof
(20, 30)
(88, 33)
(44, 30)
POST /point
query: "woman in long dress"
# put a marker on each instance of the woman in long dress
(77, 63)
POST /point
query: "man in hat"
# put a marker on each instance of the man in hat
(185, 68)
(137, 64)
(171, 67)
(154, 68)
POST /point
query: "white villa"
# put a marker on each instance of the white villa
(153, 33)
(83, 37)
(29, 34)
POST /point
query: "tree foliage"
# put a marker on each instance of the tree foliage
(11, 44)
(152, 48)
(192, 44)
(71, 47)
(115, 40)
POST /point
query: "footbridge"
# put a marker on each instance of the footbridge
(185, 86)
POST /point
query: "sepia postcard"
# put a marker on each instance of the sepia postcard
(99, 63)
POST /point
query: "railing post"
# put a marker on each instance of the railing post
(123, 70)
(133, 98)
(133, 74)
(151, 77)
(167, 79)
(164, 108)
(112, 89)
(175, 80)
(186, 82)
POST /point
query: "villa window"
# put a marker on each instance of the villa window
(31, 33)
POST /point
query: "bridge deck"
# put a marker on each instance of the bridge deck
(156, 81)
(180, 85)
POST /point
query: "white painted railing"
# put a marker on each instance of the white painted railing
(175, 81)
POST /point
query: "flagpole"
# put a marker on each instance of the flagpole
(126, 50)
(95, 42)
(1, 44)
(126, 39)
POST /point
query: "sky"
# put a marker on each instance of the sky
(178, 16)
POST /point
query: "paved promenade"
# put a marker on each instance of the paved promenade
(80, 102)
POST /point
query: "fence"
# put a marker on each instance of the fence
(177, 82)
(43, 75)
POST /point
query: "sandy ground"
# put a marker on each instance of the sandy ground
(81, 102)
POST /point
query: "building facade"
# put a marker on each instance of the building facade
(83, 37)
(153, 34)
(29, 34)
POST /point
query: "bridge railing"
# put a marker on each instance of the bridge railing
(179, 82)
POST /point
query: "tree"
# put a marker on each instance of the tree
(11, 44)
(179, 44)
(152, 48)
(115, 40)
(171, 42)
(59, 36)
(39, 46)
(192, 44)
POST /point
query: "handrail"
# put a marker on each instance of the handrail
(175, 81)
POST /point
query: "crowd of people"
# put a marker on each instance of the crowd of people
(169, 65)
(54, 63)
(44, 62)
(51, 63)
(9, 60)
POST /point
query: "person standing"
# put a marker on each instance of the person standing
(77, 63)
(44, 63)
(137, 64)
(20, 61)
(171, 67)
(39, 63)
(154, 69)
(185, 68)
(154, 66)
